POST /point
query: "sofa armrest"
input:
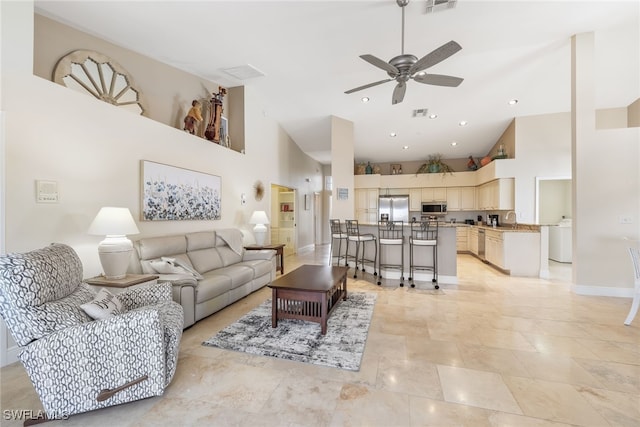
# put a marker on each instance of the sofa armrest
(266, 254)
(145, 295)
(70, 367)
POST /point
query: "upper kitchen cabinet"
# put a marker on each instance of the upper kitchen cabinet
(415, 199)
(434, 194)
(461, 199)
(366, 205)
(497, 195)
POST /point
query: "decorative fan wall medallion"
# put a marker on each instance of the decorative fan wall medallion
(98, 75)
(258, 190)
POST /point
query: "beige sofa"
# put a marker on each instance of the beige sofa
(208, 270)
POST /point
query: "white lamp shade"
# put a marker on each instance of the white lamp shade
(115, 250)
(259, 217)
(113, 222)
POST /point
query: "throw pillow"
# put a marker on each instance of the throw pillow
(186, 266)
(103, 306)
(169, 266)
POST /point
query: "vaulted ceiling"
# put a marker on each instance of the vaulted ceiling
(309, 53)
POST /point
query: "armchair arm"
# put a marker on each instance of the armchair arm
(265, 254)
(145, 295)
(71, 367)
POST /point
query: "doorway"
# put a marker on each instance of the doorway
(283, 217)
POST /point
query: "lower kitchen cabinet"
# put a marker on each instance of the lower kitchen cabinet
(473, 240)
(462, 239)
(518, 253)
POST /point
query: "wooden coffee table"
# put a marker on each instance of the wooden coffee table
(310, 292)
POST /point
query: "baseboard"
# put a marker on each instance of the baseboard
(602, 291)
(308, 248)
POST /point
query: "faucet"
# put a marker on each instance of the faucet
(515, 218)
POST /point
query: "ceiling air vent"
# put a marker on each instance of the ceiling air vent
(439, 5)
(421, 112)
(244, 72)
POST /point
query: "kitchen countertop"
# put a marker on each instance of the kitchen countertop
(521, 228)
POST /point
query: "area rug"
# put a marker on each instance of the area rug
(301, 341)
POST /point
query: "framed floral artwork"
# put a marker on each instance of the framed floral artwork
(170, 193)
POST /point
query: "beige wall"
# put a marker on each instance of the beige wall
(554, 200)
(508, 139)
(606, 186)
(93, 151)
(342, 168)
(633, 114)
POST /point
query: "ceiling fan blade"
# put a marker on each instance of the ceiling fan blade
(436, 56)
(439, 80)
(368, 86)
(380, 64)
(398, 93)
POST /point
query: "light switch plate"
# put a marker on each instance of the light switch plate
(625, 219)
(46, 191)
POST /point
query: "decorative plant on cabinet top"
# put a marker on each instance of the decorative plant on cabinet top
(434, 164)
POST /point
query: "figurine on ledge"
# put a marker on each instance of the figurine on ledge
(471, 164)
(194, 115)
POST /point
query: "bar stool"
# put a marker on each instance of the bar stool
(353, 235)
(391, 233)
(337, 233)
(424, 234)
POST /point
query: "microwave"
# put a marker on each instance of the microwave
(434, 208)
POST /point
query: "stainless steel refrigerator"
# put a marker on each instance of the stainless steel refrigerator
(396, 207)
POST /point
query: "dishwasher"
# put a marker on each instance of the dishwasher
(481, 252)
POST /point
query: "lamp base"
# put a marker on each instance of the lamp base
(115, 252)
(260, 233)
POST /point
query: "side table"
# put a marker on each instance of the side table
(119, 285)
(278, 247)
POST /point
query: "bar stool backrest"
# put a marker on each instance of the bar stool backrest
(352, 227)
(336, 228)
(424, 230)
(390, 230)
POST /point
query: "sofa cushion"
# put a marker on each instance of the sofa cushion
(260, 267)
(212, 286)
(157, 247)
(204, 260)
(239, 274)
(200, 240)
(228, 256)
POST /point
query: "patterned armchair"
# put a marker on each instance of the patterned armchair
(77, 364)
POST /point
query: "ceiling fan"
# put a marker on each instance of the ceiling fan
(405, 66)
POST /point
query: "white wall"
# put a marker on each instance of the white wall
(543, 144)
(93, 151)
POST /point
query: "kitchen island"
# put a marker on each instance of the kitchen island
(447, 263)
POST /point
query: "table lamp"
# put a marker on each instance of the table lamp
(259, 218)
(115, 250)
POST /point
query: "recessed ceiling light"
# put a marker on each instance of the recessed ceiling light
(513, 102)
(365, 99)
(393, 134)
(453, 143)
(433, 116)
(463, 123)
(405, 147)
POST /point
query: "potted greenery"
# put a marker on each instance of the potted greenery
(434, 164)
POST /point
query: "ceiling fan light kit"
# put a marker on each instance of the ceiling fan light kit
(405, 67)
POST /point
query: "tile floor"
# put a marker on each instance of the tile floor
(490, 351)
